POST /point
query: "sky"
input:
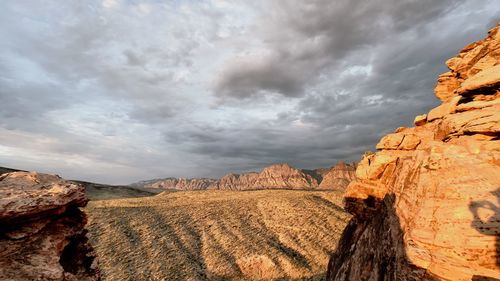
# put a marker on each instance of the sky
(117, 91)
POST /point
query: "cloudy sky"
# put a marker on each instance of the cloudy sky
(117, 91)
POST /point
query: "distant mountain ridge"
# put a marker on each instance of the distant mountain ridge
(276, 176)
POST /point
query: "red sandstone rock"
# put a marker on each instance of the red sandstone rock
(284, 176)
(272, 177)
(420, 120)
(338, 177)
(42, 229)
(430, 209)
(472, 60)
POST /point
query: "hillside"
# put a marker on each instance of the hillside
(4, 170)
(96, 191)
(217, 235)
(277, 176)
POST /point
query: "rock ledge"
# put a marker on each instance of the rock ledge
(42, 233)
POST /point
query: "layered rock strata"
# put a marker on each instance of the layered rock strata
(236, 181)
(283, 176)
(178, 183)
(338, 177)
(272, 177)
(42, 235)
(426, 206)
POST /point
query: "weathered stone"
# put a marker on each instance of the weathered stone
(24, 195)
(420, 120)
(42, 229)
(338, 177)
(484, 121)
(473, 59)
(410, 142)
(272, 177)
(446, 85)
(477, 105)
(430, 208)
(486, 80)
(283, 176)
(390, 141)
(443, 109)
(401, 140)
(235, 181)
(372, 166)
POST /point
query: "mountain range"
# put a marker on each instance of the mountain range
(276, 176)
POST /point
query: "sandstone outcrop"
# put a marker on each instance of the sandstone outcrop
(42, 233)
(177, 183)
(272, 177)
(235, 181)
(338, 177)
(284, 176)
(426, 206)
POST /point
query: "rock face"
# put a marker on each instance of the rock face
(284, 176)
(338, 177)
(272, 177)
(42, 233)
(177, 183)
(426, 206)
(236, 181)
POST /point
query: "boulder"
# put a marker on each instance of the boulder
(43, 235)
(420, 120)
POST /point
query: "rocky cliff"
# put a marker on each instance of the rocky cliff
(272, 177)
(283, 176)
(236, 181)
(338, 177)
(178, 183)
(42, 235)
(426, 205)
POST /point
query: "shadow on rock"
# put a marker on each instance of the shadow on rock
(490, 227)
(371, 246)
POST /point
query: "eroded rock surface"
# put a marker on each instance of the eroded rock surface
(284, 176)
(42, 235)
(339, 176)
(236, 181)
(426, 206)
(178, 183)
(272, 177)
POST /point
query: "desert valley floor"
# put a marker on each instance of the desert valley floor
(217, 235)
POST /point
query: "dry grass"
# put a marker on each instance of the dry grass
(217, 235)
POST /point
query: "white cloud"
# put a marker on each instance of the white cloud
(110, 3)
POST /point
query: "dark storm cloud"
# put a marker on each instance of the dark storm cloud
(305, 38)
(372, 68)
(250, 147)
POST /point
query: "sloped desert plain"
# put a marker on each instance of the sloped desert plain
(217, 235)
